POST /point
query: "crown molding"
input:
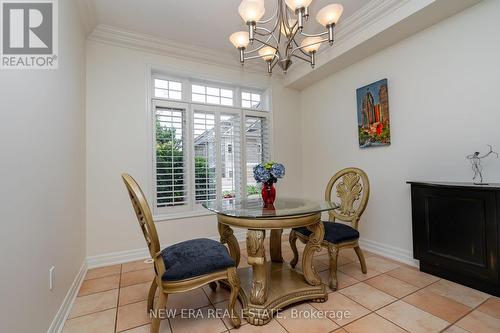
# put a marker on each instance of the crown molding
(377, 25)
(88, 15)
(151, 44)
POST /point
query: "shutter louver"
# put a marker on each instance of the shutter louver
(205, 156)
(257, 149)
(171, 178)
(230, 141)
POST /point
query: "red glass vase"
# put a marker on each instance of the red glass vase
(268, 193)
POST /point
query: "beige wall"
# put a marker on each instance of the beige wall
(43, 182)
(118, 141)
(443, 87)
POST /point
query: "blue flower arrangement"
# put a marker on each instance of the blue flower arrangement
(268, 172)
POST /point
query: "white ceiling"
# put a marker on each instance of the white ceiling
(205, 23)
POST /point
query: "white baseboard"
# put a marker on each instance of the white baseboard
(388, 251)
(63, 312)
(121, 257)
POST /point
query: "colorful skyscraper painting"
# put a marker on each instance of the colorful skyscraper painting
(373, 115)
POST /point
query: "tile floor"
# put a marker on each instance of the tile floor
(392, 297)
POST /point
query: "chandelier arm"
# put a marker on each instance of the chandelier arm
(301, 47)
(270, 34)
(270, 18)
(258, 48)
(258, 57)
(302, 58)
(314, 35)
(266, 43)
(298, 47)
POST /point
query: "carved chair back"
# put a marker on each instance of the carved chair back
(145, 219)
(352, 187)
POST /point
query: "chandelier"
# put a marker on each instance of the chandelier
(281, 37)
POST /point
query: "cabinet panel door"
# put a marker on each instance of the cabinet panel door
(456, 230)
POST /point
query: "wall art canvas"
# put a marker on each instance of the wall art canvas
(373, 115)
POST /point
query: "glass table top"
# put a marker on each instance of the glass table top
(254, 208)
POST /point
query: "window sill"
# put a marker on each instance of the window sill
(182, 215)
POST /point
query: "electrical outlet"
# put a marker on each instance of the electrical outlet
(52, 271)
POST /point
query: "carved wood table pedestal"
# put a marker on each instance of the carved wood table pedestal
(267, 287)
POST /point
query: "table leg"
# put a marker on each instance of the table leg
(227, 237)
(275, 243)
(313, 245)
(257, 258)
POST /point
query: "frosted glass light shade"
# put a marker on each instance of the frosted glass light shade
(267, 53)
(289, 31)
(311, 44)
(296, 4)
(251, 10)
(240, 39)
(329, 14)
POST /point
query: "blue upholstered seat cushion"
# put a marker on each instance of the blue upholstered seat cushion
(334, 232)
(193, 258)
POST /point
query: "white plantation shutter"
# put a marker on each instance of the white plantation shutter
(230, 151)
(170, 154)
(257, 147)
(205, 177)
(207, 139)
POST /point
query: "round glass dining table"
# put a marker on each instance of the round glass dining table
(267, 287)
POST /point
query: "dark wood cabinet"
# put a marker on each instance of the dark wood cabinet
(456, 232)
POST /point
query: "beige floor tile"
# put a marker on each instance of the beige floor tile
(193, 299)
(136, 277)
(440, 306)
(341, 260)
(391, 285)
(164, 328)
(100, 272)
(219, 295)
(354, 270)
(272, 327)
(380, 264)
(459, 293)
(222, 306)
(134, 293)
(344, 280)
(305, 318)
(318, 265)
(373, 323)
(412, 318)
(479, 322)
(368, 296)
(345, 309)
(491, 307)
(84, 305)
(412, 276)
(101, 284)
(137, 265)
(455, 329)
(100, 322)
(131, 316)
(203, 320)
(340, 330)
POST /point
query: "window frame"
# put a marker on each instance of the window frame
(192, 209)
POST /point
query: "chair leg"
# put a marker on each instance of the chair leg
(156, 320)
(213, 286)
(361, 258)
(234, 282)
(292, 238)
(151, 295)
(333, 251)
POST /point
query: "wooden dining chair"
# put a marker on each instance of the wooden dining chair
(183, 266)
(353, 189)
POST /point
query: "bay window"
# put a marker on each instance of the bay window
(207, 139)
